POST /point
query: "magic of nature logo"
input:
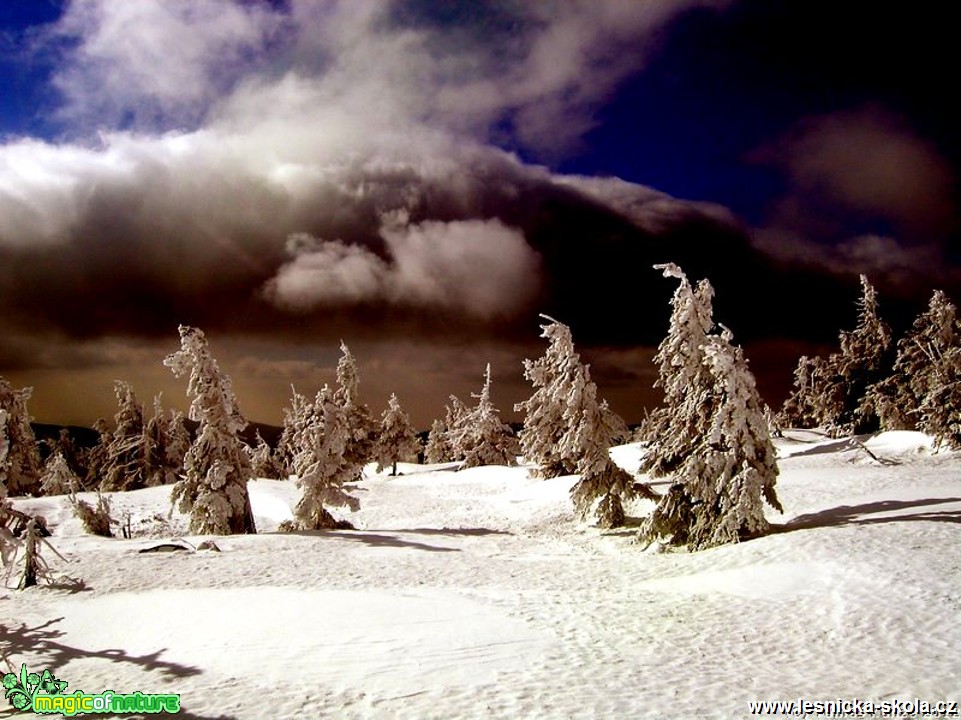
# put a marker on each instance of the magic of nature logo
(44, 694)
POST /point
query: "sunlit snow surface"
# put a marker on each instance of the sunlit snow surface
(476, 594)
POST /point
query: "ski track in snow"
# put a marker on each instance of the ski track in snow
(475, 594)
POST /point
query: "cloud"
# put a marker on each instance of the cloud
(151, 63)
(865, 161)
(481, 268)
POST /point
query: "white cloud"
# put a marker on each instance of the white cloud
(483, 269)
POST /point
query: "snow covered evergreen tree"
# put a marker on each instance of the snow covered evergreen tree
(455, 420)
(167, 441)
(802, 407)
(485, 439)
(293, 448)
(717, 494)
(438, 449)
(397, 439)
(125, 465)
(940, 409)
(862, 361)
(23, 457)
(918, 367)
(361, 426)
(552, 376)
(673, 428)
(833, 392)
(592, 428)
(330, 467)
(263, 462)
(58, 478)
(97, 456)
(214, 489)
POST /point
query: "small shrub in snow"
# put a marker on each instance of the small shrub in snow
(95, 520)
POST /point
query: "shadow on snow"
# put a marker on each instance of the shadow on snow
(854, 514)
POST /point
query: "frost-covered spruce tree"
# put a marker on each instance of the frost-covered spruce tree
(263, 462)
(23, 464)
(438, 448)
(918, 366)
(485, 439)
(719, 488)
(167, 441)
(361, 426)
(940, 409)
(552, 376)
(97, 455)
(672, 429)
(214, 488)
(58, 478)
(293, 448)
(802, 408)
(592, 428)
(329, 469)
(125, 465)
(397, 439)
(861, 362)
(455, 422)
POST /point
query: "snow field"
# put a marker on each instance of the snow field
(475, 594)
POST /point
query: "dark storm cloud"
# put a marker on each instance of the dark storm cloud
(335, 157)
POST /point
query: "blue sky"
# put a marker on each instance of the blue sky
(295, 172)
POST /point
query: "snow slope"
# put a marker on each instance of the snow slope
(475, 594)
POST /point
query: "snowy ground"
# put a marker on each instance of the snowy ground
(475, 594)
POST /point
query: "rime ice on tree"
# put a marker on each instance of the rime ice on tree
(483, 438)
(681, 373)
(397, 439)
(214, 489)
(725, 464)
(328, 467)
(833, 391)
(22, 462)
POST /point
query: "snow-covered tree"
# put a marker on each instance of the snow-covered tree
(293, 448)
(940, 410)
(263, 462)
(397, 439)
(727, 466)
(361, 426)
(485, 439)
(97, 455)
(833, 392)
(125, 465)
(329, 468)
(72, 453)
(167, 441)
(214, 489)
(673, 428)
(22, 464)
(455, 421)
(861, 362)
(551, 375)
(58, 478)
(802, 407)
(592, 428)
(438, 449)
(918, 368)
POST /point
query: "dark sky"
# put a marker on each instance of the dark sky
(422, 179)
